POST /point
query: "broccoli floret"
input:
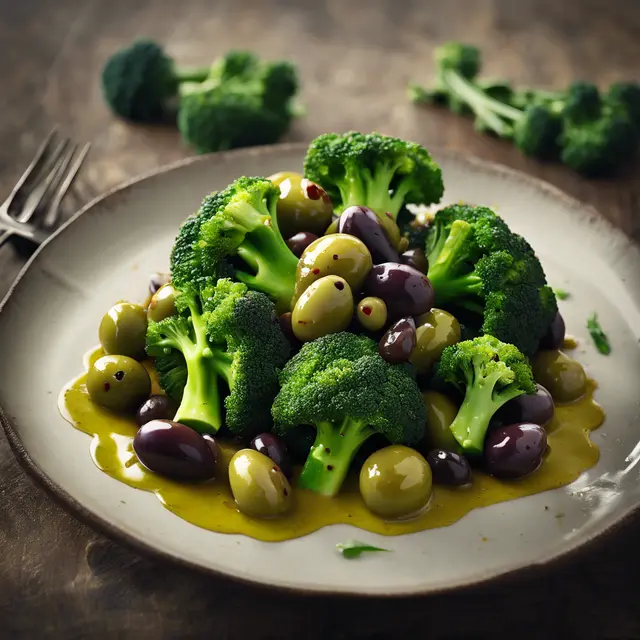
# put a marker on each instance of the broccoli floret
(140, 81)
(478, 264)
(225, 339)
(244, 102)
(489, 373)
(373, 170)
(238, 225)
(341, 386)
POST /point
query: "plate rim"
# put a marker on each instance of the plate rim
(114, 533)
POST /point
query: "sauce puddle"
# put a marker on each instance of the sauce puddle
(211, 506)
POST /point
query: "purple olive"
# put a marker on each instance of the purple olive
(537, 409)
(300, 241)
(174, 450)
(363, 223)
(213, 445)
(405, 290)
(449, 468)
(157, 280)
(514, 451)
(415, 258)
(554, 338)
(156, 408)
(399, 341)
(273, 447)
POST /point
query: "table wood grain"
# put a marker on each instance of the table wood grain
(60, 579)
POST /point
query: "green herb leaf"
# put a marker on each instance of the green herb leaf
(561, 294)
(354, 549)
(599, 336)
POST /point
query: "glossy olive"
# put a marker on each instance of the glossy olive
(325, 307)
(300, 241)
(515, 450)
(537, 409)
(174, 450)
(393, 232)
(338, 255)
(156, 407)
(157, 280)
(333, 227)
(449, 468)
(441, 412)
(561, 375)
(259, 488)
(415, 258)
(118, 383)
(274, 447)
(435, 331)
(554, 337)
(399, 341)
(395, 482)
(214, 449)
(123, 330)
(303, 205)
(363, 223)
(372, 313)
(405, 290)
(163, 304)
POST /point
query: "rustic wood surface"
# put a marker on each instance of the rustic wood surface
(58, 578)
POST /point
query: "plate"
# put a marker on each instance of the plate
(50, 319)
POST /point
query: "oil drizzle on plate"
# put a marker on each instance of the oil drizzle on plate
(211, 505)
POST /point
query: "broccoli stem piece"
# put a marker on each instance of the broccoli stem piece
(481, 401)
(332, 452)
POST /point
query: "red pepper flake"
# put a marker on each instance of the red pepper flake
(329, 467)
(314, 192)
(335, 256)
(315, 271)
(367, 311)
(106, 386)
(339, 285)
(118, 375)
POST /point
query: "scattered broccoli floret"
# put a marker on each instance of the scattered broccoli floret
(489, 373)
(225, 338)
(236, 231)
(342, 387)
(244, 102)
(598, 336)
(139, 82)
(478, 264)
(373, 170)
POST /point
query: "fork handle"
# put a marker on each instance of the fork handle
(9, 227)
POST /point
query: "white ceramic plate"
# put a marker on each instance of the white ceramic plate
(105, 254)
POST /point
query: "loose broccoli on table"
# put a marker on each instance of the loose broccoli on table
(478, 264)
(225, 340)
(339, 385)
(489, 373)
(140, 81)
(244, 101)
(235, 233)
(373, 170)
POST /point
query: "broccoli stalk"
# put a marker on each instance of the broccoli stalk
(490, 373)
(331, 454)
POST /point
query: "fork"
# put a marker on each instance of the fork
(41, 189)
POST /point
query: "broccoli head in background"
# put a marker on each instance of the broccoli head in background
(139, 82)
(341, 386)
(222, 350)
(489, 373)
(236, 231)
(373, 170)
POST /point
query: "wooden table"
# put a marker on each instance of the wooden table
(59, 579)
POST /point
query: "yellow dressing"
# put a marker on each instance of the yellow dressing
(211, 506)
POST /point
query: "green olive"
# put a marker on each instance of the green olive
(435, 331)
(333, 227)
(441, 412)
(258, 486)
(339, 255)
(163, 303)
(372, 313)
(303, 205)
(118, 383)
(123, 330)
(395, 482)
(325, 307)
(561, 375)
(393, 232)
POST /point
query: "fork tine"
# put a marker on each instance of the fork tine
(54, 209)
(35, 163)
(39, 193)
